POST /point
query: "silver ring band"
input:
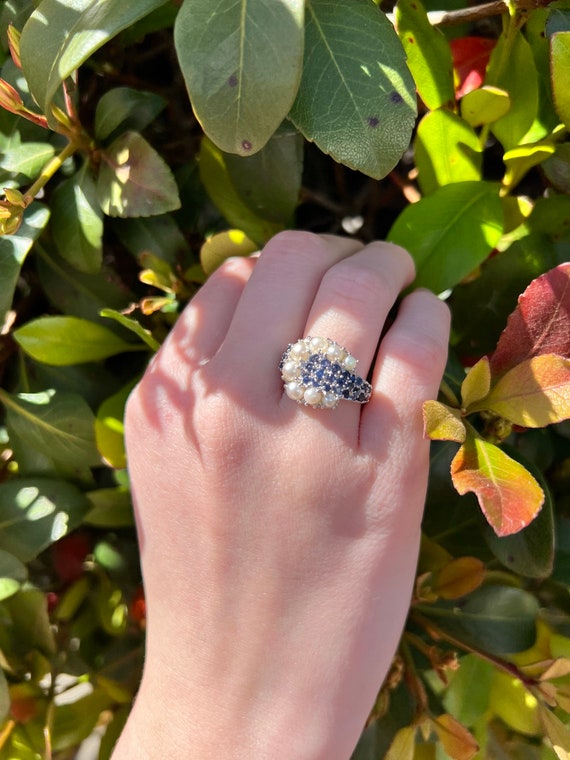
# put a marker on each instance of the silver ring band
(318, 372)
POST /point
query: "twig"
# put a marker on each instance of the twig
(464, 15)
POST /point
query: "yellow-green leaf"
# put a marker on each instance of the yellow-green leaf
(446, 150)
(535, 393)
(402, 747)
(484, 105)
(477, 383)
(560, 72)
(217, 181)
(62, 341)
(441, 423)
(514, 705)
(428, 54)
(222, 246)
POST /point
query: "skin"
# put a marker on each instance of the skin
(279, 542)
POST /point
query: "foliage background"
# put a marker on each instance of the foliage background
(120, 198)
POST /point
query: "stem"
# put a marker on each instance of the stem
(436, 632)
(464, 15)
(415, 685)
(52, 166)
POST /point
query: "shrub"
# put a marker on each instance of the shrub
(447, 136)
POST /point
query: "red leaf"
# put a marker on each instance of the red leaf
(509, 496)
(470, 58)
(539, 325)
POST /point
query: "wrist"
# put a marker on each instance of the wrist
(170, 721)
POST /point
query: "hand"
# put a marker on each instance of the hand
(279, 542)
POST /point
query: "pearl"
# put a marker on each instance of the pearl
(350, 363)
(333, 352)
(290, 370)
(294, 391)
(330, 400)
(313, 396)
(299, 350)
(317, 344)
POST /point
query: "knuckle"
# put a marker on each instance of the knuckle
(352, 286)
(422, 351)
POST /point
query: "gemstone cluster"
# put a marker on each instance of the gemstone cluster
(318, 372)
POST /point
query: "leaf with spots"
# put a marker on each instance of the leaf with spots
(357, 99)
(241, 62)
(428, 52)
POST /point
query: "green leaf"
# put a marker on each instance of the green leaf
(269, 182)
(428, 54)
(557, 168)
(498, 619)
(69, 340)
(484, 105)
(26, 160)
(357, 99)
(13, 251)
(530, 552)
(467, 696)
(509, 496)
(77, 222)
(110, 508)
(134, 326)
(126, 109)
(217, 181)
(4, 697)
(31, 628)
(242, 67)
(134, 180)
(80, 294)
(220, 247)
(158, 234)
(446, 150)
(109, 428)
(13, 573)
(534, 393)
(512, 69)
(560, 68)
(450, 232)
(60, 35)
(73, 722)
(36, 512)
(59, 425)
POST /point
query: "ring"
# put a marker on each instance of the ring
(318, 372)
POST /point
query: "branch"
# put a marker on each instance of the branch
(464, 15)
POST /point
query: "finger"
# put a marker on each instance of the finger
(202, 326)
(273, 309)
(408, 370)
(355, 296)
